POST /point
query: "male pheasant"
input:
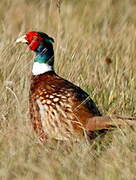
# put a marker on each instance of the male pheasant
(58, 108)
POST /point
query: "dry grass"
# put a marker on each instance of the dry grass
(87, 33)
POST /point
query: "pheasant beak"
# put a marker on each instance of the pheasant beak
(22, 39)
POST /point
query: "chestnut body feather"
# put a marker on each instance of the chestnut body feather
(58, 108)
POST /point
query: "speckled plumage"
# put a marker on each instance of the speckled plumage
(62, 107)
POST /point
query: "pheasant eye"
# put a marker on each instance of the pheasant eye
(34, 38)
(38, 40)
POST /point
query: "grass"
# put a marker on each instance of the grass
(86, 33)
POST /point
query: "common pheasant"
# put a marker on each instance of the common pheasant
(58, 108)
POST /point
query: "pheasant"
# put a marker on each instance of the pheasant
(59, 109)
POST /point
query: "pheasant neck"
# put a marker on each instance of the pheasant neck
(43, 61)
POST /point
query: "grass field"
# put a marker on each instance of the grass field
(87, 34)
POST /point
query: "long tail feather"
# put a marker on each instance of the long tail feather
(106, 122)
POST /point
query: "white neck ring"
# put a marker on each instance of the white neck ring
(40, 68)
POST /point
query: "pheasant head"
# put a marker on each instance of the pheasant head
(41, 44)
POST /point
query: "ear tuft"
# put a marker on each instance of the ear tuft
(50, 40)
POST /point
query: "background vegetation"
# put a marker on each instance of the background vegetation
(95, 48)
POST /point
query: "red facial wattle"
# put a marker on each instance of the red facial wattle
(34, 40)
(34, 45)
